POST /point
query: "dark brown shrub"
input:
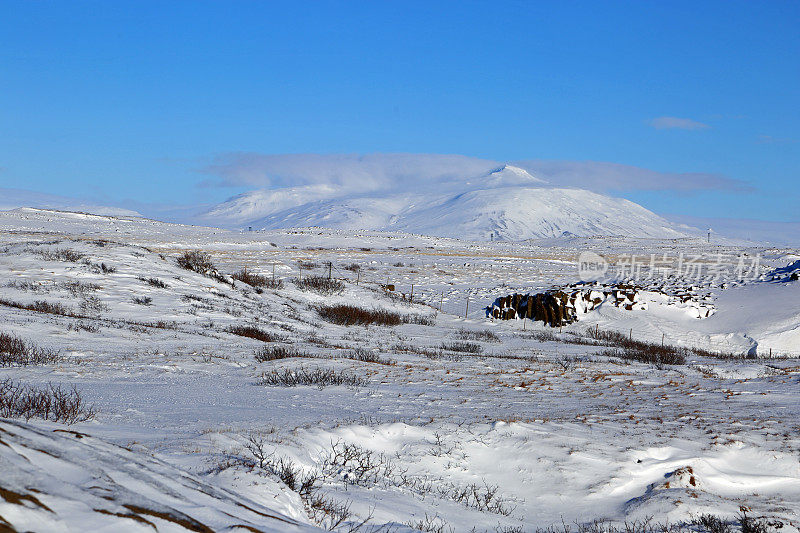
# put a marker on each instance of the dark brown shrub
(360, 354)
(154, 282)
(15, 351)
(273, 353)
(320, 285)
(350, 315)
(318, 377)
(196, 261)
(253, 332)
(61, 254)
(462, 347)
(634, 350)
(51, 402)
(256, 280)
(40, 306)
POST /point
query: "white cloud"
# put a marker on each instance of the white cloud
(676, 123)
(347, 171)
(603, 176)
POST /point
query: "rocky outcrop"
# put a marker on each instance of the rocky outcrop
(559, 307)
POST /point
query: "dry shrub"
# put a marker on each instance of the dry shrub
(256, 280)
(79, 288)
(320, 285)
(50, 402)
(485, 335)
(318, 377)
(462, 347)
(350, 315)
(40, 306)
(154, 282)
(273, 353)
(196, 261)
(366, 356)
(60, 254)
(15, 351)
(253, 332)
(634, 350)
(142, 300)
(83, 326)
(307, 265)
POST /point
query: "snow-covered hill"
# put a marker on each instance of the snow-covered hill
(508, 204)
(16, 198)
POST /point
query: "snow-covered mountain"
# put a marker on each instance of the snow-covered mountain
(508, 203)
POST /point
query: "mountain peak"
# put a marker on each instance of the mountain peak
(509, 175)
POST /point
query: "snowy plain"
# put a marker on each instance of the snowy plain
(529, 432)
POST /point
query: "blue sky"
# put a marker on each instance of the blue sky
(135, 102)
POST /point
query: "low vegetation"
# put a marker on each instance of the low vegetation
(320, 285)
(60, 254)
(15, 351)
(317, 377)
(142, 300)
(39, 306)
(366, 356)
(50, 402)
(154, 282)
(351, 315)
(635, 350)
(462, 347)
(622, 346)
(484, 335)
(257, 281)
(275, 352)
(253, 332)
(196, 261)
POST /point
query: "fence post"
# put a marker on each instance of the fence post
(662, 340)
(273, 273)
(466, 311)
(441, 301)
(411, 296)
(358, 276)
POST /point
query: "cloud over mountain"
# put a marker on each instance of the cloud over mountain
(349, 171)
(390, 172)
(603, 176)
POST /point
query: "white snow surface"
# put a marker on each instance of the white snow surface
(55, 479)
(560, 432)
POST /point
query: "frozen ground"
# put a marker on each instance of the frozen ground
(527, 433)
